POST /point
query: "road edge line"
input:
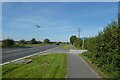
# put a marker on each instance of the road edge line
(27, 56)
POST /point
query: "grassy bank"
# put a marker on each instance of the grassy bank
(43, 66)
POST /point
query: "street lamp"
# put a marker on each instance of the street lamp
(38, 31)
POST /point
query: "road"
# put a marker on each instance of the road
(10, 54)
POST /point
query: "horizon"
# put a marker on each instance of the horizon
(57, 20)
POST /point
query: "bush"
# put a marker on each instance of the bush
(78, 43)
(105, 48)
(8, 43)
(46, 41)
(22, 42)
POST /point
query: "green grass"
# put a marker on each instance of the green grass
(78, 48)
(97, 69)
(29, 45)
(42, 66)
(68, 46)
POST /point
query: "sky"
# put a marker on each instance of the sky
(60, 0)
(58, 20)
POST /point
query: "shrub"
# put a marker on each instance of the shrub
(78, 43)
(22, 42)
(8, 43)
(105, 48)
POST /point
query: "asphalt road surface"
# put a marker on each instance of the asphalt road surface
(10, 54)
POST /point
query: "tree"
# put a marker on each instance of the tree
(22, 42)
(8, 43)
(33, 41)
(72, 39)
(46, 41)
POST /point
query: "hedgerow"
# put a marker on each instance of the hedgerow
(105, 49)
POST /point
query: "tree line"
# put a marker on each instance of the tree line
(104, 49)
(77, 42)
(11, 42)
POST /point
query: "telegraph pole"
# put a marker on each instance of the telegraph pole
(78, 32)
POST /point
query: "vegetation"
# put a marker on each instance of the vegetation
(72, 39)
(0, 44)
(22, 42)
(46, 41)
(8, 43)
(42, 66)
(78, 43)
(67, 46)
(96, 69)
(33, 41)
(104, 50)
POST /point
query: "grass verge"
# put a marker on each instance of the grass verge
(97, 69)
(32, 45)
(42, 66)
(68, 46)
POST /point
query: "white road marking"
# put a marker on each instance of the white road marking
(14, 50)
(76, 51)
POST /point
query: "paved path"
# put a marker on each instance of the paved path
(78, 68)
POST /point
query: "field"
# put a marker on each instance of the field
(42, 66)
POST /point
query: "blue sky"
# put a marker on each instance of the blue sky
(58, 21)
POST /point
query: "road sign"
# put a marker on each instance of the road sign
(83, 38)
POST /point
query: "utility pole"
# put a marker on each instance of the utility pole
(78, 32)
(38, 32)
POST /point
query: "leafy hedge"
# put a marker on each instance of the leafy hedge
(105, 49)
(78, 43)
